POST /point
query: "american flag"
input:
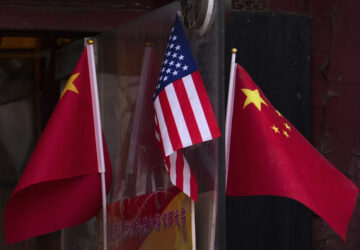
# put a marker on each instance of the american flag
(182, 107)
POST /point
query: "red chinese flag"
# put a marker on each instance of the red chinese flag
(61, 185)
(268, 156)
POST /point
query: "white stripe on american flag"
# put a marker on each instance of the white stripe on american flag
(162, 127)
(197, 108)
(172, 160)
(186, 178)
(178, 116)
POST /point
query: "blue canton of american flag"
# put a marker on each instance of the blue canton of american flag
(183, 113)
(178, 61)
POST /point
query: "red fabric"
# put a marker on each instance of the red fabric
(263, 162)
(60, 186)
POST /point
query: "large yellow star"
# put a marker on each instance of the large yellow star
(70, 85)
(253, 96)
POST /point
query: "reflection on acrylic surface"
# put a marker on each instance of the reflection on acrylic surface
(159, 220)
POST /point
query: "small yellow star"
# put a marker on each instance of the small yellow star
(277, 112)
(70, 85)
(287, 126)
(286, 134)
(253, 96)
(276, 129)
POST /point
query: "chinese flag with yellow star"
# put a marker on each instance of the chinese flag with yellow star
(61, 185)
(268, 156)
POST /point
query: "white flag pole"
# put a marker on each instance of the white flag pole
(98, 133)
(193, 233)
(229, 110)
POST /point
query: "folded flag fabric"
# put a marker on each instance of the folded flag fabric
(61, 185)
(268, 156)
(182, 107)
(179, 170)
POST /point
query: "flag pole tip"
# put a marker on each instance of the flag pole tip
(90, 41)
(148, 44)
(234, 50)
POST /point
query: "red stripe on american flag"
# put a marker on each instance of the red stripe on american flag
(187, 111)
(206, 105)
(170, 121)
(180, 170)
